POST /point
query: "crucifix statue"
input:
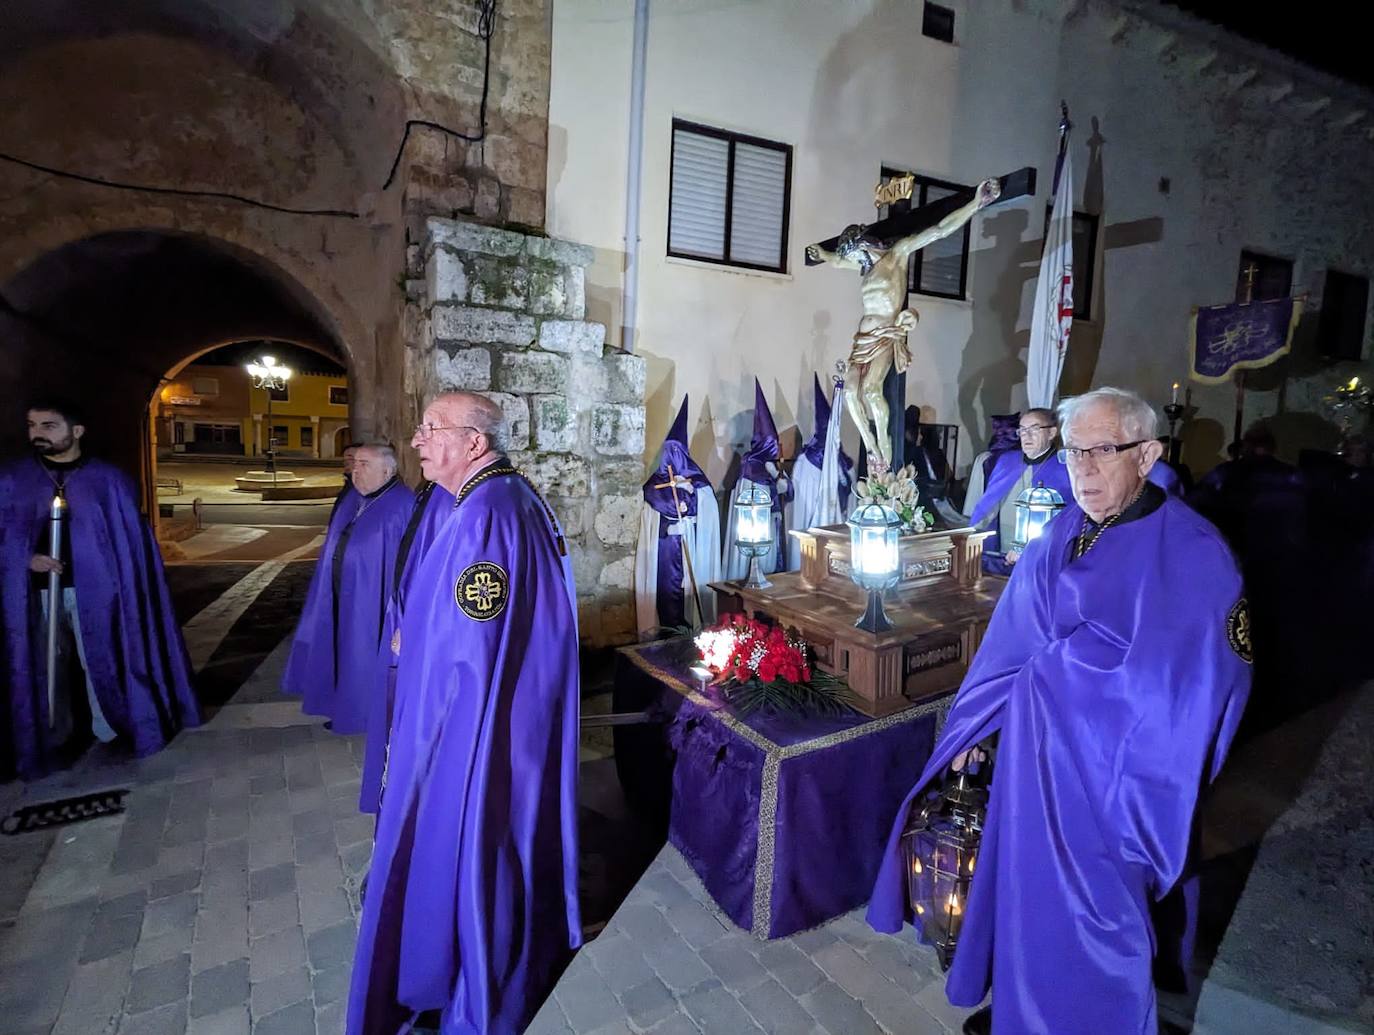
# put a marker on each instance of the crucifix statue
(880, 253)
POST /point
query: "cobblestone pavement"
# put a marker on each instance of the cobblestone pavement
(223, 901)
(669, 962)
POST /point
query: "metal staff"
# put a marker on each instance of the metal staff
(56, 516)
(671, 484)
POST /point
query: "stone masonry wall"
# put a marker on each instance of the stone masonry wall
(502, 313)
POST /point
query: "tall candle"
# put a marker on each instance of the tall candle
(1174, 400)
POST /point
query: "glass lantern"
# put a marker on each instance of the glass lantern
(1035, 508)
(754, 530)
(874, 564)
(940, 848)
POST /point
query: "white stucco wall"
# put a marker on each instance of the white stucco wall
(853, 86)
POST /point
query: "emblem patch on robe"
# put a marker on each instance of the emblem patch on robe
(482, 591)
(1238, 631)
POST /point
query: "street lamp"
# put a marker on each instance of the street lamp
(270, 375)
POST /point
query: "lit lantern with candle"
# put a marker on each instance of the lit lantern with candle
(874, 563)
(940, 845)
(1035, 508)
(754, 530)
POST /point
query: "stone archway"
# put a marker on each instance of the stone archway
(102, 320)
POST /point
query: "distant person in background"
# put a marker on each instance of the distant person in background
(1012, 473)
(134, 684)
(333, 656)
(433, 506)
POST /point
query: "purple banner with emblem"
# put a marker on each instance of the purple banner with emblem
(1241, 336)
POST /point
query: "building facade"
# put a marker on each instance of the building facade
(208, 409)
(1194, 153)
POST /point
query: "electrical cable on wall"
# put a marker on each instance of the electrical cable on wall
(486, 27)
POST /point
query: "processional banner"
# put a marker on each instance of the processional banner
(1240, 336)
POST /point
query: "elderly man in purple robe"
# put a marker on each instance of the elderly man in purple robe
(1114, 672)
(334, 655)
(113, 608)
(433, 504)
(1013, 472)
(471, 909)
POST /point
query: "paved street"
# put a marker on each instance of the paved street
(225, 899)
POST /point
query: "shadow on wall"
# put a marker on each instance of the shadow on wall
(991, 360)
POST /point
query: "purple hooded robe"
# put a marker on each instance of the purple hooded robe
(471, 906)
(433, 503)
(133, 645)
(334, 655)
(1116, 680)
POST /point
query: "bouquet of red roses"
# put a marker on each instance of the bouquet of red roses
(767, 666)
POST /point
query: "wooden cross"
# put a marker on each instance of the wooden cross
(1018, 184)
(671, 484)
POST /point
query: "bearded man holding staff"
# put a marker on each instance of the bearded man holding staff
(1114, 670)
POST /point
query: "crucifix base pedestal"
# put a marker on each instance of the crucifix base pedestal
(939, 612)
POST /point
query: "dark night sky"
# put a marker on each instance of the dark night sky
(295, 357)
(1320, 33)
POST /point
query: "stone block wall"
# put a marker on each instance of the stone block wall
(501, 313)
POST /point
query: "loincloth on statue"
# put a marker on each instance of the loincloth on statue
(870, 345)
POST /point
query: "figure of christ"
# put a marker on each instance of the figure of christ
(880, 343)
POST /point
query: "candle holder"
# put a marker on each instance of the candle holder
(1035, 508)
(1174, 413)
(874, 561)
(940, 847)
(754, 531)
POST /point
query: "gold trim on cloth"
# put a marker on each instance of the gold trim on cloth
(773, 757)
(869, 345)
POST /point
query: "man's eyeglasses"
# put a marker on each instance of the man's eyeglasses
(426, 430)
(1031, 429)
(1106, 452)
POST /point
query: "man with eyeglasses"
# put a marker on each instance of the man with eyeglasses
(471, 908)
(333, 654)
(1013, 472)
(1114, 672)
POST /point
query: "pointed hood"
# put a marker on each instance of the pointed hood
(764, 447)
(815, 449)
(674, 454)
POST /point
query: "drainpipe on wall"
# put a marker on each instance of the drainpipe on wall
(632, 175)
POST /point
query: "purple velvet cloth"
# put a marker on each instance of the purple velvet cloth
(471, 905)
(1116, 697)
(827, 789)
(333, 658)
(133, 645)
(1004, 429)
(433, 504)
(672, 601)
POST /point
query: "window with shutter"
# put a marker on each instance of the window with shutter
(729, 198)
(939, 269)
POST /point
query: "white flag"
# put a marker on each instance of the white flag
(1052, 315)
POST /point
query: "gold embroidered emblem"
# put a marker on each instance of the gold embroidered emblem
(1238, 631)
(482, 591)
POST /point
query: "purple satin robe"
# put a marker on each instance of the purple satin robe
(133, 645)
(1116, 688)
(433, 505)
(333, 658)
(471, 905)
